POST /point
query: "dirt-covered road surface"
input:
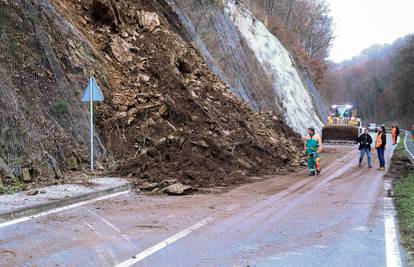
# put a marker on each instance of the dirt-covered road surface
(336, 219)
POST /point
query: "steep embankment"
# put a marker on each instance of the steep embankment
(165, 114)
(43, 64)
(295, 99)
(249, 58)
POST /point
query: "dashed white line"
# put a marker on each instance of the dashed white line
(52, 211)
(142, 255)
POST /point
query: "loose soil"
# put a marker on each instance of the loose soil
(167, 116)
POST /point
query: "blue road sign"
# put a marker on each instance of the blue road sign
(92, 91)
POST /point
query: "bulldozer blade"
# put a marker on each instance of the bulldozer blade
(340, 134)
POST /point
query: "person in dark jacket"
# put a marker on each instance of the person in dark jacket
(365, 141)
(380, 145)
(398, 131)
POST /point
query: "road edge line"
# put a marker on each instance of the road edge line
(393, 256)
(392, 244)
(410, 155)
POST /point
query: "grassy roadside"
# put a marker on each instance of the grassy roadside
(404, 197)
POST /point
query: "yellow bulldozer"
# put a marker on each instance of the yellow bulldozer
(343, 126)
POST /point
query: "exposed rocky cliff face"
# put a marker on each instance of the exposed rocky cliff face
(249, 58)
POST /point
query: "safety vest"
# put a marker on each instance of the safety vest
(378, 143)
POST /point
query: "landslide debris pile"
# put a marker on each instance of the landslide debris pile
(166, 117)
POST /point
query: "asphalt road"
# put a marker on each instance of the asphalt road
(336, 219)
(409, 145)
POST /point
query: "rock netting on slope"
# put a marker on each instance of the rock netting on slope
(43, 125)
(166, 115)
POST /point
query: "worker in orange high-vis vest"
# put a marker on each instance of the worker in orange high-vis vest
(380, 145)
(412, 132)
(395, 132)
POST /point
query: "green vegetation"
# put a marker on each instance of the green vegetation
(404, 200)
(218, 3)
(60, 108)
(60, 111)
(11, 189)
(379, 82)
(400, 152)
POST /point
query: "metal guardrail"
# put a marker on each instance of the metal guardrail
(409, 146)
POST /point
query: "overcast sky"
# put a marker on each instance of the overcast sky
(362, 23)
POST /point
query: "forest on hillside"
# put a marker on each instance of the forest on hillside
(379, 82)
(305, 27)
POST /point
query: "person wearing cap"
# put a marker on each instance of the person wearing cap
(313, 147)
(380, 146)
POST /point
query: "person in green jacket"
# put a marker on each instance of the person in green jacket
(313, 147)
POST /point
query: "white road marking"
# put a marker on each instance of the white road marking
(105, 221)
(361, 228)
(112, 226)
(392, 248)
(52, 211)
(142, 255)
(93, 229)
(108, 248)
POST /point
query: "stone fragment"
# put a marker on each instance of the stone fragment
(147, 186)
(120, 49)
(178, 189)
(26, 175)
(148, 20)
(32, 192)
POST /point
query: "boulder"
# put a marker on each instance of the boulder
(32, 192)
(150, 122)
(200, 143)
(53, 166)
(120, 49)
(244, 163)
(5, 171)
(26, 177)
(163, 110)
(168, 182)
(178, 189)
(148, 20)
(143, 78)
(147, 186)
(99, 166)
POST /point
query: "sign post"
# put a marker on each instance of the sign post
(92, 94)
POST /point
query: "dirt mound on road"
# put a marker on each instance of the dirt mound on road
(166, 116)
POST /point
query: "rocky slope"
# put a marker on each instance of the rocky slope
(249, 58)
(165, 115)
